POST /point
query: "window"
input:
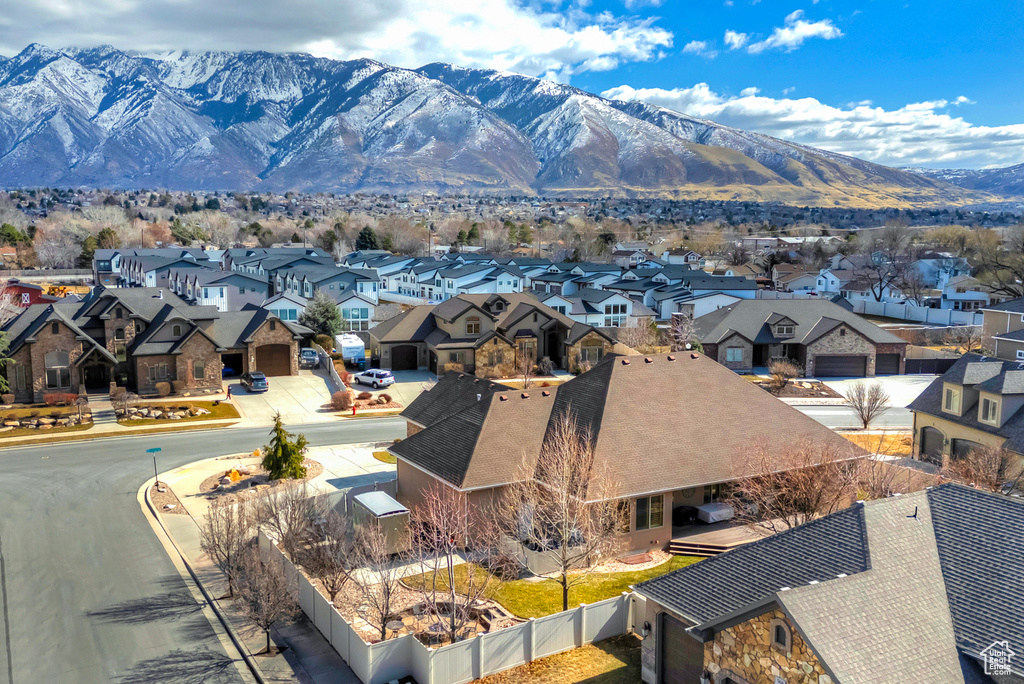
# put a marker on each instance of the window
(158, 372)
(951, 403)
(273, 325)
(118, 313)
(712, 493)
(649, 512)
(473, 325)
(120, 348)
(176, 330)
(559, 309)
(199, 370)
(1020, 354)
(58, 373)
(456, 357)
(842, 332)
(592, 352)
(55, 328)
(734, 354)
(989, 411)
(496, 357)
(20, 382)
(784, 330)
(206, 292)
(782, 636)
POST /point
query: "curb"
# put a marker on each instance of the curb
(138, 432)
(250, 661)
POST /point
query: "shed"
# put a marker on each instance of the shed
(393, 517)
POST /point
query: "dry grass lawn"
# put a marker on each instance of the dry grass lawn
(613, 661)
(887, 444)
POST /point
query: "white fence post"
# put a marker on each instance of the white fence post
(430, 665)
(582, 612)
(478, 648)
(532, 639)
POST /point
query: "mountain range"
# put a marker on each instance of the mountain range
(260, 121)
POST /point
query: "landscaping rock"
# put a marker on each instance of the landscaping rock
(175, 416)
(202, 411)
(225, 480)
(5, 429)
(62, 421)
(46, 427)
(47, 421)
(12, 423)
(178, 414)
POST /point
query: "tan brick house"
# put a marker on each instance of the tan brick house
(484, 334)
(670, 429)
(822, 338)
(139, 337)
(879, 592)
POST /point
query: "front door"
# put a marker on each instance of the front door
(97, 377)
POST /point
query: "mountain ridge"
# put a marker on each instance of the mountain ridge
(267, 121)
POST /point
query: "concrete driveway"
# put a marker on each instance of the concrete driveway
(300, 399)
(902, 389)
(408, 385)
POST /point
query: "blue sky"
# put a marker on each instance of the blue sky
(902, 83)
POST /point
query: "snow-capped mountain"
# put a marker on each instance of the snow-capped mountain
(261, 121)
(1007, 181)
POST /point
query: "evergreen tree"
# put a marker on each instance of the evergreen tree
(462, 238)
(322, 315)
(526, 234)
(474, 233)
(387, 242)
(88, 252)
(367, 239)
(108, 239)
(284, 455)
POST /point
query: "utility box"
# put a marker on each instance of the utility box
(380, 509)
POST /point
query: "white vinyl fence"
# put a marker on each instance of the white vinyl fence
(918, 314)
(463, 661)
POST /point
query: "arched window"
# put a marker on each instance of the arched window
(782, 637)
(176, 330)
(473, 325)
(58, 371)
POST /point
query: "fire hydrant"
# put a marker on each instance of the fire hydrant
(353, 410)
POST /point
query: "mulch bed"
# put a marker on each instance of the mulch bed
(257, 480)
(798, 389)
(362, 404)
(165, 501)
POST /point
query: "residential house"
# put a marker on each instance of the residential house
(911, 588)
(107, 263)
(1003, 324)
(484, 334)
(476, 436)
(232, 258)
(630, 258)
(682, 255)
(822, 338)
(226, 290)
(286, 306)
(936, 269)
(977, 402)
(964, 293)
(138, 337)
(305, 281)
(600, 308)
(153, 271)
(794, 277)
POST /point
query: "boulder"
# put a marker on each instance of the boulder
(174, 416)
(202, 411)
(178, 414)
(225, 480)
(47, 421)
(6, 429)
(12, 423)
(62, 421)
(46, 427)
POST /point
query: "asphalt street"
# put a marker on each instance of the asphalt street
(88, 593)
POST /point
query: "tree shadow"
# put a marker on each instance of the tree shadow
(174, 603)
(199, 666)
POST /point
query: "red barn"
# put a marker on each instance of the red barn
(26, 294)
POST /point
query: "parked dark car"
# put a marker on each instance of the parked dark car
(309, 358)
(255, 381)
(684, 515)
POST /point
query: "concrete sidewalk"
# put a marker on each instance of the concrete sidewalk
(308, 656)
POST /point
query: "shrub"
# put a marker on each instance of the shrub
(163, 388)
(386, 397)
(177, 386)
(326, 342)
(545, 384)
(345, 376)
(363, 396)
(545, 366)
(782, 371)
(11, 416)
(116, 393)
(56, 414)
(35, 413)
(53, 399)
(7, 398)
(70, 399)
(341, 400)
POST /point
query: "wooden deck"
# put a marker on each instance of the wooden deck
(709, 540)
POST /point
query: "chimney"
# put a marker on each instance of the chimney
(160, 293)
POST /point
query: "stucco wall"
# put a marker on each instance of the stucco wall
(951, 431)
(1006, 349)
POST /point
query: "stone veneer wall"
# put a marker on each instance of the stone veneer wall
(852, 343)
(744, 652)
(576, 349)
(506, 369)
(279, 335)
(64, 340)
(734, 341)
(198, 348)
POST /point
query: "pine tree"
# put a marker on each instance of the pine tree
(283, 456)
(322, 315)
(474, 233)
(367, 239)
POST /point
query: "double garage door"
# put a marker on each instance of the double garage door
(840, 366)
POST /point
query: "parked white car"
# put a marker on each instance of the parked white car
(374, 377)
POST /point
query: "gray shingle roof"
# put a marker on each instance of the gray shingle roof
(1010, 306)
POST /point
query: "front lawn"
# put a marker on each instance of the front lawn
(217, 411)
(894, 443)
(528, 598)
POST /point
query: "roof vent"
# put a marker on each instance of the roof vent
(625, 362)
(545, 393)
(842, 574)
(648, 359)
(160, 294)
(671, 358)
(461, 375)
(478, 397)
(694, 356)
(524, 395)
(813, 582)
(503, 397)
(784, 589)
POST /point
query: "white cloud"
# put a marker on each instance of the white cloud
(735, 40)
(919, 133)
(634, 4)
(502, 34)
(794, 32)
(700, 47)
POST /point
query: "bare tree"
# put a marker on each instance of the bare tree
(227, 532)
(798, 484)
(640, 336)
(289, 512)
(439, 529)
(264, 594)
(886, 258)
(57, 249)
(565, 508)
(867, 401)
(378, 577)
(683, 333)
(1001, 265)
(782, 371)
(991, 468)
(328, 552)
(913, 286)
(525, 367)
(964, 339)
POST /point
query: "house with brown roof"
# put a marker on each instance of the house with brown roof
(485, 334)
(670, 430)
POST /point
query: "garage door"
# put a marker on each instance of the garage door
(887, 364)
(840, 366)
(961, 447)
(682, 656)
(931, 445)
(403, 357)
(274, 359)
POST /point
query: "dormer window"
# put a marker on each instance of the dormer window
(784, 330)
(989, 411)
(951, 400)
